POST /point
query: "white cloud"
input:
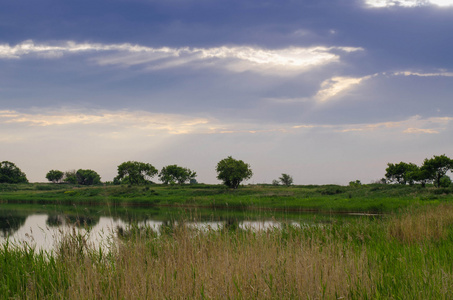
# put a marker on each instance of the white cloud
(437, 74)
(118, 121)
(408, 3)
(236, 59)
(415, 124)
(337, 85)
(442, 2)
(420, 130)
(126, 125)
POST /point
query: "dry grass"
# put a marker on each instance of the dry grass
(406, 256)
(219, 265)
(417, 225)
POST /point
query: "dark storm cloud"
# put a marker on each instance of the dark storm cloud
(141, 79)
(393, 37)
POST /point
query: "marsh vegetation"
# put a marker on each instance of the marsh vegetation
(405, 252)
(405, 256)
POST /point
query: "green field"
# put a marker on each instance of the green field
(372, 198)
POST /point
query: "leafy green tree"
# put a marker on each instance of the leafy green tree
(355, 184)
(70, 177)
(232, 172)
(54, 176)
(401, 172)
(286, 179)
(419, 175)
(175, 173)
(134, 172)
(445, 181)
(87, 177)
(10, 173)
(437, 167)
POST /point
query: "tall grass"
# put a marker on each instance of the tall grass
(425, 224)
(406, 256)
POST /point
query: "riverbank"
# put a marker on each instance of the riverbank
(372, 198)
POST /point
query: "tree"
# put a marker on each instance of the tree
(10, 173)
(286, 179)
(70, 177)
(420, 175)
(134, 172)
(437, 167)
(355, 184)
(401, 172)
(175, 173)
(87, 177)
(54, 176)
(232, 171)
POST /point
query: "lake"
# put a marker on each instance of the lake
(42, 226)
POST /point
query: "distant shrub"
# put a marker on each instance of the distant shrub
(332, 190)
(5, 187)
(377, 187)
(356, 183)
(442, 191)
(43, 188)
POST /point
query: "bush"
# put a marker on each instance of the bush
(332, 190)
(43, 188)
(445, 181)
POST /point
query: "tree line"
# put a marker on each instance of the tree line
(230, 171)
(433, 170)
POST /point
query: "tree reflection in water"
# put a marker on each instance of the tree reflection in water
(10, 223)
(78, 221)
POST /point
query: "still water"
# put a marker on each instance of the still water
(42, 227)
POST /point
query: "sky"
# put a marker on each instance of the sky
(328, 91)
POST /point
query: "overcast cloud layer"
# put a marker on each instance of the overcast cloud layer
(327, 91)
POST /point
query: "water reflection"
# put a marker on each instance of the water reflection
(10, 223)
(78, 221)
(55, 220)
(43, 227)
(36, 232)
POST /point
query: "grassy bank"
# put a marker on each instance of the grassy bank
(403, 256)
(365, 198)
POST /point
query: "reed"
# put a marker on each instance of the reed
(278, 263)
(416, 225)
(390, 257)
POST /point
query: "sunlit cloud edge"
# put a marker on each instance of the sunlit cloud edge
(233, 58)
(407, 3)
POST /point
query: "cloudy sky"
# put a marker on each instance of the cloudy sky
(327, 91)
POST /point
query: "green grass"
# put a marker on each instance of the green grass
(374, 198)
